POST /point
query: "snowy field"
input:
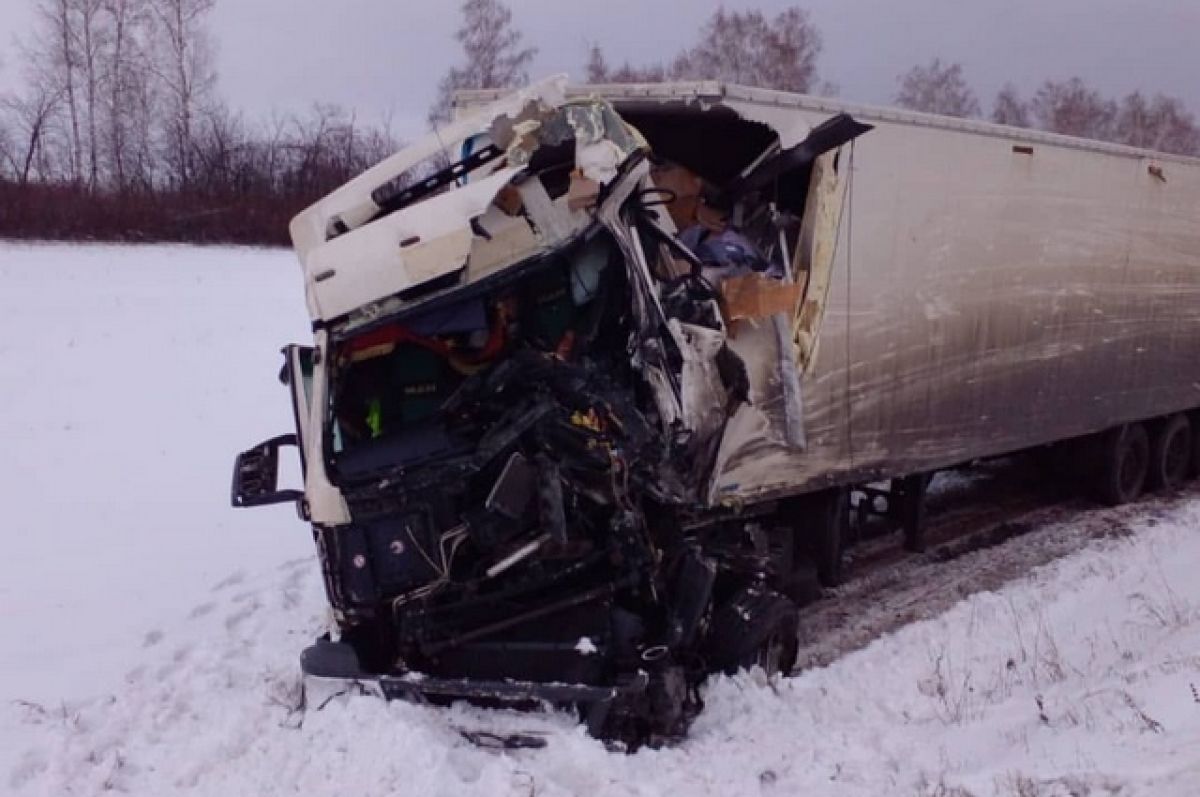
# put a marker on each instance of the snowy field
(149, 634)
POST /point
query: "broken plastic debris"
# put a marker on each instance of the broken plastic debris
(583, 192)
(525, 141)
(509, 200)
(599, 160)
(754, 296)
(602, 140)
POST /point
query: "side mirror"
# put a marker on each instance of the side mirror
(256, 475)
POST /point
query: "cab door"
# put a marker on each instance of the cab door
(297, 374)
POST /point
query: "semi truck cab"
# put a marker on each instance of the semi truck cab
(540, 337)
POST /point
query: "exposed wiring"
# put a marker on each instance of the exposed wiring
(432, 565)
(455, 537)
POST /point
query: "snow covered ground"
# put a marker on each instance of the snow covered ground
(149, 634)
(131, 377)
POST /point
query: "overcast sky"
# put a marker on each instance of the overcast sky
(384, 56)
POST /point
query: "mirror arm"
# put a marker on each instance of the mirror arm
(256, 475)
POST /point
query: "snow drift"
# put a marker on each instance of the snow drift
(151, 637)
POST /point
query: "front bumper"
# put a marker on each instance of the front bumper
(331, 669)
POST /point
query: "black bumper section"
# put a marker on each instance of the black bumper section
(334, 660)
(509, 691)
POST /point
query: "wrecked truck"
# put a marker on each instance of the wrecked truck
(594, 369)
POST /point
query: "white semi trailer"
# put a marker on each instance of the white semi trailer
(593, 369)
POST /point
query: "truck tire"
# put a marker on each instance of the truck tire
(1195, 445)
(1171, 453)
(801, 585)
(820, 524)
(1123, 464)
(909, 492)
(755, 627)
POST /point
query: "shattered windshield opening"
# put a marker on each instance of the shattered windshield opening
(391, 383)
(715, 143)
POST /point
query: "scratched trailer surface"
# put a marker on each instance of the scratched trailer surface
(989, 289)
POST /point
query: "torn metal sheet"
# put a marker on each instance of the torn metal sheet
(404, 250)
(367, 262)
(352, 205)
(602, 140)
(814, 259)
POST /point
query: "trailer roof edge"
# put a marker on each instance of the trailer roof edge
(715, 91)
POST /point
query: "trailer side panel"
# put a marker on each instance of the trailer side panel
(993, 294)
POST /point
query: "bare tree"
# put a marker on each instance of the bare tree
(64, 54)
(628, 73)
(31, 116)
(597, 70)
(217, 151)
(1009, 108)
(186, 75)
(1159, 122)
(272, 151)
(1073, 108)
(791, 51)
(747, 47)
(89, 40)
(144, 96)
(493, 51)
(53, 63)
(8, 158)
(6, 152)
(739, 47)
(937, 88)
(126, 77)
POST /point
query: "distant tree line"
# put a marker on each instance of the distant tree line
(781, 53)
(119, 132)
(1070, 107)
(744, 47)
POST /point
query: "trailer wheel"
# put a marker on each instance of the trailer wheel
(820, 521)
(1195, 472)
(801, 585)
(1124, 464)
(910, 509)
(755, 627)
(1171, 453)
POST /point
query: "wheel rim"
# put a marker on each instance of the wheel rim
(770, 654)
(1177, 458)
(1133, 470)
(776, 649)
